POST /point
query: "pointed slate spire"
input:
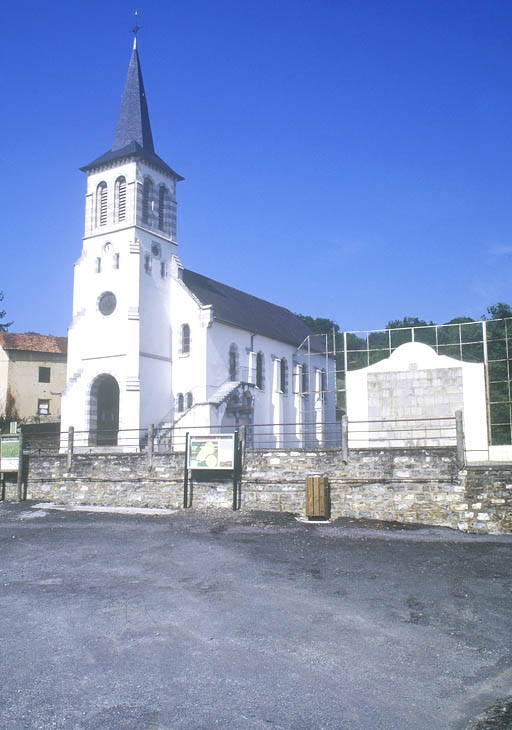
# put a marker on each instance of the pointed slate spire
(133, 123)
(133, 138)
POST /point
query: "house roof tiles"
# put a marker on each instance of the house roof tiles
(34, 342)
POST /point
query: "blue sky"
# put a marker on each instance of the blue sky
(346, 159)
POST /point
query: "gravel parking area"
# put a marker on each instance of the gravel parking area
(197, 620)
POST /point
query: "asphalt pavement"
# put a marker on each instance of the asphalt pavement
(250, 621)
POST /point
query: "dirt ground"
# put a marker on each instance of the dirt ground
(203, 619)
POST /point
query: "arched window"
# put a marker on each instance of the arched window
(259, 370)
(189, 400)
(162, 201)
(233, 362)
(185, 339)
(180, 403)
(283, 372)
(101, 204)
(305, 380)
(147, 195)
(120, 199)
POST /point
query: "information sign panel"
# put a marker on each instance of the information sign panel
(211, 452)
(9, 446)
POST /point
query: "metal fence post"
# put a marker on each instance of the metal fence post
(151, 437)
(236, 470)
(185, 479)
(71, 438)
(20, 468)
(344, 438)
(459, 430)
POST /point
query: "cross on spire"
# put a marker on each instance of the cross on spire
(136, 29)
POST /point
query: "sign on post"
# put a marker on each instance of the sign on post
(9, 453)
(211, 452)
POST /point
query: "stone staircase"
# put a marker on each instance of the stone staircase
(223, 392)
(219, 395)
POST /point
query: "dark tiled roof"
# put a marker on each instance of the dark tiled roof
(237, 308)
(132, 150)
(133, 137)
(34, 342)
(133, 123)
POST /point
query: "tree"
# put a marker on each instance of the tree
(460, 320)
(4, 326)
(500, 310)
(407, 322)
(319, 325)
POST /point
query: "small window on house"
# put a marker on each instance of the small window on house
(43, 407)
(97, 266)
(115, 261)
(283, 367)
(189, 400)
(120, 199)
(101, 204)
(147, 194)
(233, 362)
(163, 269)
(147, 263)
(185, 339)
(259, 370)
(180, 403)
(162, 200)
(44, 375)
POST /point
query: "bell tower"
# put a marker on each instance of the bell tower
(119, 339)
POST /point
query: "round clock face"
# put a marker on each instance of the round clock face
(155, 249)
(107, 247)
(107, 303)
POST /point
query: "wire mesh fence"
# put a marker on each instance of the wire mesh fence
(170, 439)
(488, 342)
(316, 435)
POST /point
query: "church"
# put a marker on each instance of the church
(152, 342)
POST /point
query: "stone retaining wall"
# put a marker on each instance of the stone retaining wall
(489, 497)
(404, 484)
(408, 485)
(120, 480)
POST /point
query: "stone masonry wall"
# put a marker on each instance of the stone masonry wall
(404, 484)
(489, 497)
(408, 485)
(120, 480)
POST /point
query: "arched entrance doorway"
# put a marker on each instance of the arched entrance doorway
(105, 410)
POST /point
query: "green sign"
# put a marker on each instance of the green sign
(9, 448)
(211, 452)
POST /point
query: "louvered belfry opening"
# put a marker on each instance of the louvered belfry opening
(101, 204)
(147, 193)
(121, 198)
(162, 202)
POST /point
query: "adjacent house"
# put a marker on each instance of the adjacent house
(32, 376)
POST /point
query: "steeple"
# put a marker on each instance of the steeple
(133, 123)
(133, 138)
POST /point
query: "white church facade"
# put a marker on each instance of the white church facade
(153, 343)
